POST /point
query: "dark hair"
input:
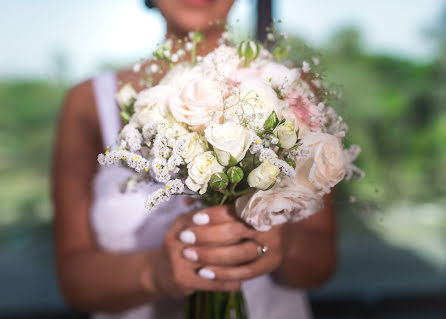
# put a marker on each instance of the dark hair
(150, 4)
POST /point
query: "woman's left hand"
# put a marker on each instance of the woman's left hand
(240, 260)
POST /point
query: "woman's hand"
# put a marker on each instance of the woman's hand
(220, 238)
(225, 249)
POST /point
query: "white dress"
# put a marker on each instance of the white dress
(121, 224)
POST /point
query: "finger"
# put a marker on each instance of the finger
(259, 267)
(221, 234)
(215, 215)
(222, 255)
(195, 282)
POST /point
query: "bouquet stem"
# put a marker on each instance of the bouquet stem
(216, 305)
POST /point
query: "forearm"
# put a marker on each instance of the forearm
(309, 257)
(100, 281)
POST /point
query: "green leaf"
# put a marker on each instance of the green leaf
(270, 186)
(125, 117)
(290, 162)
(280, 53)
(235, 174)
(232, 161)
(271, 122)
(219, 182)
(198, 37)
(211, 198)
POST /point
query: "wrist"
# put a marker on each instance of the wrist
(147, 278)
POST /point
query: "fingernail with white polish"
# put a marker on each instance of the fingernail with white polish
(190, 254)
(206, 273)
(187, 237)
(201, 219)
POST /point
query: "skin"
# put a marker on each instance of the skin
(300, 255)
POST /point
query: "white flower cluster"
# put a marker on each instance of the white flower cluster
(173, 187)
(204, 122)
(264, 154)
(132, 138)
(133, 160)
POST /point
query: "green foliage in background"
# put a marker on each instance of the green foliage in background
(394, 107)
(28, 116)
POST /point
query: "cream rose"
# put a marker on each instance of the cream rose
(286, 133)
(253, 104)
(126, 95)
(194, 146)
(229, 139)
(199, 104)
(200, 171)
(263, 176)
(287, 201)
(328, 158)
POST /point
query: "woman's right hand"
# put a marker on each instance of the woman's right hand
(172, 275)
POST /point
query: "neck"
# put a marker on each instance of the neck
(209, 43)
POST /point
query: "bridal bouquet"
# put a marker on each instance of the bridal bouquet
(241, 125)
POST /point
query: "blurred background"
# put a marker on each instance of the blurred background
(389, 58)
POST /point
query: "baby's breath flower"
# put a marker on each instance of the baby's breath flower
(132, 137)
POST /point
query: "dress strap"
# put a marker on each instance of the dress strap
(105, 87)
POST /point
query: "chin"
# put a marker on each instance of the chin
(194, 22)
(188, 15)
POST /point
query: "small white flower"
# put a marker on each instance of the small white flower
(137, 67)
(174, 58)
(126, 95)
(154, 68)
(189, 46)
(306, 67)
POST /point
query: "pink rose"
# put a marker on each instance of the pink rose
(199, 104)
(304, 108)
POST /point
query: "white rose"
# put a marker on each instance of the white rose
(229, 139)
(199, 104)
(200, 171)
(125, 95)
(286, 133)
(287, 201)
(263, 176)
(194, 146)
(254, 103)
(156, 95)
(151, 106)
(279, 76)
(327, 154)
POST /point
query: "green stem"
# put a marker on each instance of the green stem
(223, 200)
(241, 193)
(279, 153)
